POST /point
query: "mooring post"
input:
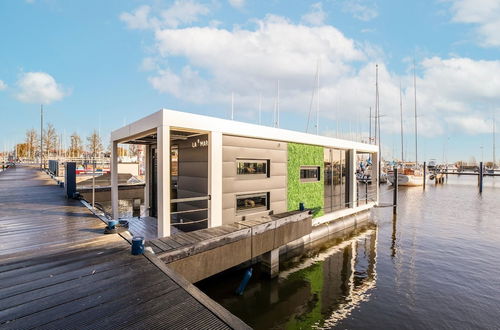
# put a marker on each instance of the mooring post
(425, 172)
(395, 196)
(480, 177)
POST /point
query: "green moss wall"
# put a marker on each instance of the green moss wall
(310, 193)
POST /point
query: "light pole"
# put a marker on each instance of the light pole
(41, 136)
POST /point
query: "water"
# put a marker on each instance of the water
(435, 266)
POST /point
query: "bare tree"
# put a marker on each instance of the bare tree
(75, 147)
(31, 143)
(94, 144)
(49, 139)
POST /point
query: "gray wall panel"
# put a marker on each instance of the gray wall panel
(232, 184)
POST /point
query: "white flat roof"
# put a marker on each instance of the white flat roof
(185, 120)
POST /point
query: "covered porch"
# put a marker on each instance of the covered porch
(182, 174)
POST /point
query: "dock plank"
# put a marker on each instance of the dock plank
(58, 270)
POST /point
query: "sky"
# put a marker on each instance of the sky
(103, 64)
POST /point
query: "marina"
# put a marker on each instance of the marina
(197, 164)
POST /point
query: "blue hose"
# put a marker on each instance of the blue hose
(244, 282)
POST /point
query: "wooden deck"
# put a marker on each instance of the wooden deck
(59, 271)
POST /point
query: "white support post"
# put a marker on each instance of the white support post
(215, 179)
(354, 182)
(163, 203)
(114, 179)
(147, 177)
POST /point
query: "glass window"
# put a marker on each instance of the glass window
(309, 173)
(252, 202)
(251, 166)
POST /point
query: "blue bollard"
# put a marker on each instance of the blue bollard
(244, 282)
(301, 207)
(112, 224)
(137, 245)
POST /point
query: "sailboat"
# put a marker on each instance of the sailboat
(411, 175)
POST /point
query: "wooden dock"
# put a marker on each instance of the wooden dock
(59, 271)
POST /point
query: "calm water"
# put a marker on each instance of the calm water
(435, 266)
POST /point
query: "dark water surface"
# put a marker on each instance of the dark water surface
(435, 266)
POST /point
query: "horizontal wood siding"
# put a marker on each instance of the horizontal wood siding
(235, 148)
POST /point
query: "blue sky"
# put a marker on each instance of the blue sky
(100, 64)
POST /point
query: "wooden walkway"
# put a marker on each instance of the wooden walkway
(59, 271)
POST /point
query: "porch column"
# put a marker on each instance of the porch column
(114, 179)
(215, 179)
(147, 176)
(354, 182)
(163, 134)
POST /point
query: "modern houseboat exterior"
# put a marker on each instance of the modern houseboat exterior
(205, 172)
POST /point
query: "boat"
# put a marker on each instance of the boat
(409, 176)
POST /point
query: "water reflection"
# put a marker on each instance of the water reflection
(315, 293)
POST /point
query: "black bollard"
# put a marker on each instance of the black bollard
(425, 172)
(395, 197)
(480, 177)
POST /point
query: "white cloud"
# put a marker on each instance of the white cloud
(181, 12)
(471, 124)
(249, 61)
(237, 3)
(482, 13)
(316, 16)
(139, 18)
(39, 87)
(361, 9)
(2, 85)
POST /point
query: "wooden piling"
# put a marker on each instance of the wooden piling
(395, 196)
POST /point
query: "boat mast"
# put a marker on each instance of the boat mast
(416, 125)
(494, 141)
(317, 101)
(401, 111)
(370, 121)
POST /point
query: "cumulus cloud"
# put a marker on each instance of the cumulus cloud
(361, 9)
(484, 14)
(39, 87)
(249, 61)
(2, 85)
(181, 12)
(316, 16)
(237, 3)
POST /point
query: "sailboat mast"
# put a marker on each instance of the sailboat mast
(416, 125)
(494, 159)
(401, 112)
(317, 103)
(370, 121)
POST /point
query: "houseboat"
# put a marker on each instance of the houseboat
(205, 172)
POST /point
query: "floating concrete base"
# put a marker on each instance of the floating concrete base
(323, 233)
(271, 263)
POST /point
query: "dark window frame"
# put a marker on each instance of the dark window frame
(266, 162)
(316, 178)
(264, 208)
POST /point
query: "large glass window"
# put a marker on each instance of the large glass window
(310, 173)
(336, 171)
(252, 202)
(252, 167)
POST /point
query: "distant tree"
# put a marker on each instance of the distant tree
(121, 151)
(134, 149)
(94, 144)
(31, 143)
(49, 140)
(22, 150)
(75, 145)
